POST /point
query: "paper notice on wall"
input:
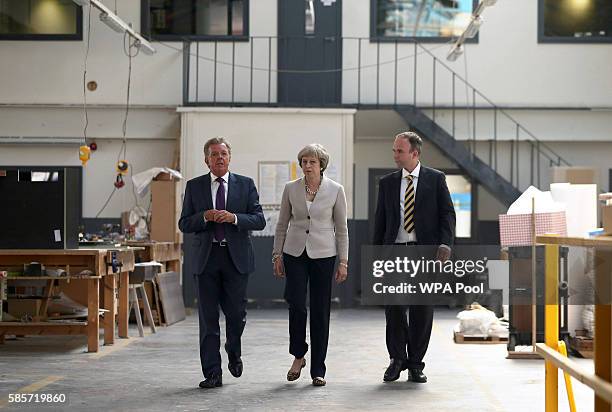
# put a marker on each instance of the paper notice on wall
(581, 206)
(272, 177)
(271, 216)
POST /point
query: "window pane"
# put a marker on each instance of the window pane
(422, 18)
(237, 17)
(196, 17)
(38, 17)
(461, 193)
(309, 17)
(211, 17)
(578, 18)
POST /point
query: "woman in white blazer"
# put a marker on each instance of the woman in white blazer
(310, 235)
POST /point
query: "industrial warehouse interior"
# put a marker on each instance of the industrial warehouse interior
(306, 205)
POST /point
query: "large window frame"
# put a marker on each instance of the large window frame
(145, 24)
(78, 36)
(565, 39)
(474, 221)
(374, 38)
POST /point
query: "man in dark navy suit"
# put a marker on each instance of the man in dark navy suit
(221, 208)
(414, 208)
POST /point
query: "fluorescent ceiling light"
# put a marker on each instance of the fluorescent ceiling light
(454, 53)
(469, 32)
(112, 21)
(145, 48)
(473, 27)
(482, 5)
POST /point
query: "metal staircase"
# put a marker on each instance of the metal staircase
(456, 150)
(482, 138)
(528, 157)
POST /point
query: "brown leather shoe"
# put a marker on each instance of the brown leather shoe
(292, 376)
(318, 381)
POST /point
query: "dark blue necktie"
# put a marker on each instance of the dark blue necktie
(220, 205)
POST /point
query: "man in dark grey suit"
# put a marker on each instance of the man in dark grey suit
(414, 208)
(221, 208)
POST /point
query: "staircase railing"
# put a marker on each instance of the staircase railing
(374, 74)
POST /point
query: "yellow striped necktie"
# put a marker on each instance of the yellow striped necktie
(409, 206)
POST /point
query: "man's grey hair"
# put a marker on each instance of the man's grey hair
(416, 143)
(315, 150)
(216, 140)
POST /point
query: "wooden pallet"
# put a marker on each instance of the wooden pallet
(479, 339)
(583, 345)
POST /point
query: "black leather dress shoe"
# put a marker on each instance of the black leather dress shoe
(234, 364)
(417, 375)
(393, 371)
(214, 381)
(235, 367)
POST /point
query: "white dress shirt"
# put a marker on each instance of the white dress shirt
(402, 235)
(214, 187)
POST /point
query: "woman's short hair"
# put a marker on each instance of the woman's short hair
(315, 150)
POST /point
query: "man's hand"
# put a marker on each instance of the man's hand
(210, 214)
(223, 216)
(219, 216)
(443, 254)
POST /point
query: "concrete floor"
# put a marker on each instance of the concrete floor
(161, 372)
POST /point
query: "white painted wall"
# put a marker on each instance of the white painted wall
(99, 173)
(45, 72)
(375, 152)
(268, 135)
(507, 65)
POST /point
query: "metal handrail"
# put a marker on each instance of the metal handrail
(560, 160)
(521, 133)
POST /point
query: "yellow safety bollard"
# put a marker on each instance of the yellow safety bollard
(551, 325)
(568, 381)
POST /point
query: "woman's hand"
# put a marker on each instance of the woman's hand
(342, 272)
(279, 270)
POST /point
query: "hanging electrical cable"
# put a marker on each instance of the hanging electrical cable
(128, 52)
(84, 150)
(122, 166)
(290, 71)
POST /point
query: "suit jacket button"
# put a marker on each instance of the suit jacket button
(307, 231)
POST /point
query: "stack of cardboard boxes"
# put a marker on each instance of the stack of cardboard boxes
(166, 207)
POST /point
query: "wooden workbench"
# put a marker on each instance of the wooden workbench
(603, 294)
(166, 253)
(74, 261)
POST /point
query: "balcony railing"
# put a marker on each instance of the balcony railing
(369, 74)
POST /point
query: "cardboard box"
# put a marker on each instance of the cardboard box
(516, 230)
(575, 175)
(23, 307)
(165, 208)
(606, 218)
